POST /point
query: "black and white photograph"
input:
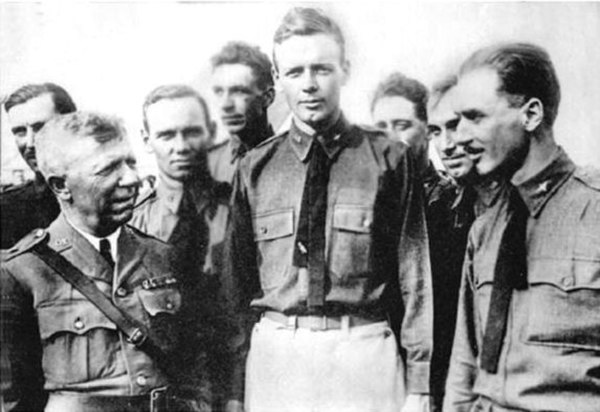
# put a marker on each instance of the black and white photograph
(273, 206)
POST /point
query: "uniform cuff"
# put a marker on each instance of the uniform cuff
(417, 377)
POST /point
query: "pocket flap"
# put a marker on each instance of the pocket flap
(167, 300)
(565, 274)
(275, 224)
(353, 218)
(76, 316)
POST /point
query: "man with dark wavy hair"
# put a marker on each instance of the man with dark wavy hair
(31, 205)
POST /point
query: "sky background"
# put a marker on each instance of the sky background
(109, 55)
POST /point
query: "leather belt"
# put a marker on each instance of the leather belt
(161, 399)
(319, 322)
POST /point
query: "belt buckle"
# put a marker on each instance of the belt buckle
(158, 399)
(322, 326)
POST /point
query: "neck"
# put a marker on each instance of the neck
(255, 132)
(39, 179)
(319, 127)
(541, 148)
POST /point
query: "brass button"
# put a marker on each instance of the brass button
(366, 222)
(169, 305)
(121, 292)
(141, 380)
(39, 233)
(568, 281)
(263, 230)
(78, 324)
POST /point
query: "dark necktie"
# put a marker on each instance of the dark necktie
(510, 273)
(105, 252)
(190, 235)
(309, 251)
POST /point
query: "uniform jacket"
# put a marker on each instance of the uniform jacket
(82, 349)
(376, 244)
(550, 359)
(24, 208)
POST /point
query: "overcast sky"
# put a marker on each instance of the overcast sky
(110, 55)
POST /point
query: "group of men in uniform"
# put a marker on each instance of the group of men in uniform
(326, 268)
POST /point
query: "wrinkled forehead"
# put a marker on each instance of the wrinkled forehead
(37, 109)
(300, 50)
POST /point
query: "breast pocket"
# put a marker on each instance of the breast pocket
(73, 334)
(564, 306)
(350, 250)
(273, 233)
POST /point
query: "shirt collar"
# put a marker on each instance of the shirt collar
(239, 149)
(95, 240)
(537, 190)
(333, 140)
(169, 196)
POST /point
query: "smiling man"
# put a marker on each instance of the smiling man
(242, 85)
(527, 335)
(31, 205)
(92, 361)
(327, 243)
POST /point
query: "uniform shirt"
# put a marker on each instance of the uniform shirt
(376, 253)
(24, 208)
(550, 358)
(83, 351)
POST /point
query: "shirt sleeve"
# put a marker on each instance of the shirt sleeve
(20, 367)
(416, 333)
(463, 363)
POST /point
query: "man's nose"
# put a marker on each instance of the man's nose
(462, 136)
(180, 143)
(226, 102)
(29, 138)
(309, 82)
(448, 145)
(130, 176)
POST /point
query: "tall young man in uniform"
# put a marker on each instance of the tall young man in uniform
(328, 243)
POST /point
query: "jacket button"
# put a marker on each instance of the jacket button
(568, 281)
(78, 324)
(263, 230)
(121, 292)
(39, 233)
(169, 305)
(141, 380)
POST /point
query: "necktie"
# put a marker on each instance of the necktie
(309, 251)
(510, 273)
(105, 252)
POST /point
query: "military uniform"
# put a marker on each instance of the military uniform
(193, 221)
(24, 208)
(87, 363)
(324, 343)
(550, 356)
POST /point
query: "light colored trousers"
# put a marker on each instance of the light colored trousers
(300, 370)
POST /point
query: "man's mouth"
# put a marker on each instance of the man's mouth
(233, 119)
(312, 103)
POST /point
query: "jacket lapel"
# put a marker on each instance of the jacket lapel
(131, 254)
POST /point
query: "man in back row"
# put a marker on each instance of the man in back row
(528, 332)
(32, 205)
(327, 265)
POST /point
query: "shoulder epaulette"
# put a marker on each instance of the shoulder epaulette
(24, 245)
(589, 175)
(271, 139)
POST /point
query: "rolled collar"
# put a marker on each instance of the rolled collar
(333, 140)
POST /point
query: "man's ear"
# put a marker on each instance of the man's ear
(268, 97)
(532, 114)
(146, 139)
(59, 187)
(346, 71)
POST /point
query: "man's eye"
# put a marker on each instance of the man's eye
(165, 135)
(293, 73)
(402, 125)
(19, 131)
(323, 70)
(36, 127)
(434, 132)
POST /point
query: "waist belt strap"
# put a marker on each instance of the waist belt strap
(135, 332)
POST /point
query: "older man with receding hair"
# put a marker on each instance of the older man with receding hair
(102, 299)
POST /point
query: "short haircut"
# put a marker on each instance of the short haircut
(237, 52)
(440, 88)
(399, 85)
(525, 71)
(173, 91)
(55, 145)
(63, 103)
(306, 21)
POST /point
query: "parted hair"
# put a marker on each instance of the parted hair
(397, 84)
(58, 135)
(525, 71)
(305, 21)
(63, 103)
(238, 52)
(172, 91)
